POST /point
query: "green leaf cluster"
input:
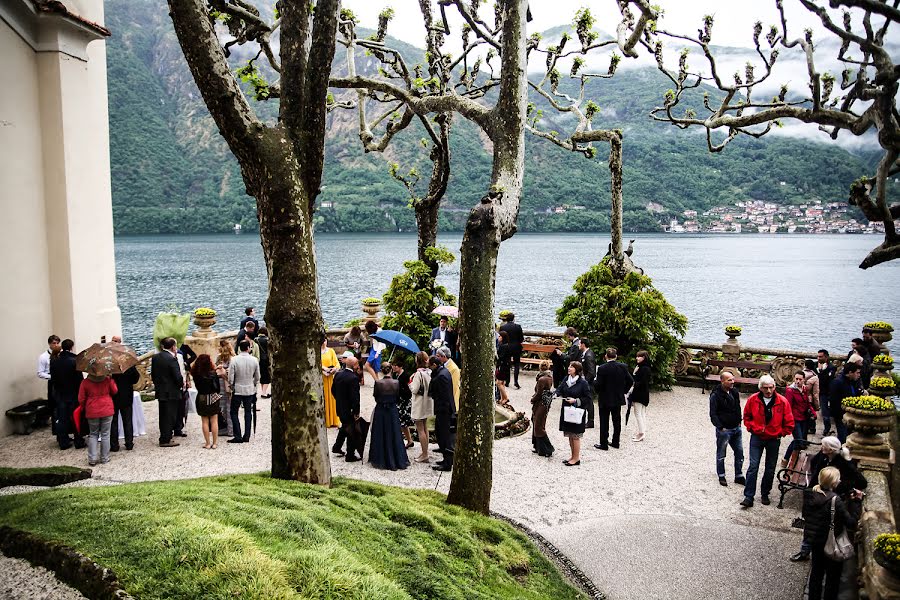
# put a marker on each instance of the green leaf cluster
(413, 294)
(629, 315)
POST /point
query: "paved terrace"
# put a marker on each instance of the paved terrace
(647, 521)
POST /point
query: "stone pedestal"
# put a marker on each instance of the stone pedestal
(204, 339)
(731, 348)
(868, 442)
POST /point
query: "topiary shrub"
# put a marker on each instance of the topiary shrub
(629, 315)
(412, 296)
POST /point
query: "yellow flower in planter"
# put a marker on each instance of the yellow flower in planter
(881, 383)
(879, 326)
(883, 361)
(872, 403)
(889, 545)
(204, 312)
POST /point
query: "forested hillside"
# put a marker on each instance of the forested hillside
(172, 173)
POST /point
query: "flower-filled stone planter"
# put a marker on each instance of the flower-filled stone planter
(731, 346)
(881, 386)
(868, 417)
(883, 363)
(204, 318)
(881, 331)
(371, 308)
(887, 552)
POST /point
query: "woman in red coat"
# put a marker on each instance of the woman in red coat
(96, 399)
(802, 409)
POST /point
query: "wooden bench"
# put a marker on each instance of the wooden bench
(542, 349)
(797, 475)
(739, 365)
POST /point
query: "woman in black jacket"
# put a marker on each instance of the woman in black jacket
(640, 394)
(574, 391)
(817, 503)
(207, 382)
(504, 356)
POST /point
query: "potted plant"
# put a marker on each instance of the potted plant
(733, 331)
(881, 386)
(887, 552)
(883, 363)
(204, 317)
(371, 306)
(881, 330)
(867, 417)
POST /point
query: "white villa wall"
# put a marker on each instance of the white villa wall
(58, 263)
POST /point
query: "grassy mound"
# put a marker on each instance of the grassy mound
(251, 536)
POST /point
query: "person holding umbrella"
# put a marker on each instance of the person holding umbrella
(373, 362)
(95, 397)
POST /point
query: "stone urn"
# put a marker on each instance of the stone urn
(204, 322)
(881, 331)
(883, 364)
(731, 346)
(892, 567)
(868, 425)
(371, 307)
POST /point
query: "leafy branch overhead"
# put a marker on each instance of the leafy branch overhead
(859, 100)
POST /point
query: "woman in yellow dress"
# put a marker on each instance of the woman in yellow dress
(330, 366)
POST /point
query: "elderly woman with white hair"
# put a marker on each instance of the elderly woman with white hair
(768, 418)
(849, 488)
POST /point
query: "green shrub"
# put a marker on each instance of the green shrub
(628, 315)
(412, 296)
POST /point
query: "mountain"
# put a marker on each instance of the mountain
(173, 173)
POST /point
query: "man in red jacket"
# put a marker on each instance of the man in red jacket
(768, 418)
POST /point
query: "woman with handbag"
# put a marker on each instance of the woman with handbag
(576, 396)
(422, 404)
(540, 406)
(826, 521)
(206, 380)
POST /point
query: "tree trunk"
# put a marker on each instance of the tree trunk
(615, 211)
(299, 442)
(473, 463)
(427, 225)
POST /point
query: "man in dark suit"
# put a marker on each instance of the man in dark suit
(826, 373)
(612, 382)
(516, 339)
(66, 383)
(589, 372)
(123, 404)
(250, 315)
(845, 385)
(574, 351)
(345, 389)
(441, 391)
(439, 333)
(167, 382)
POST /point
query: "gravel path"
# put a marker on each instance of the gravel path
(21, 581)
(649, 520)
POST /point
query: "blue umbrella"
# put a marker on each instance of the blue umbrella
(395, 338)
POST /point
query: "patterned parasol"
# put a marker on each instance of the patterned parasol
(106, 359)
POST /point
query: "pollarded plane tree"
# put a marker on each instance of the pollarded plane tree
(583, 136)
(862, 98)
(459, 86)
(281, 165)
(389, 120)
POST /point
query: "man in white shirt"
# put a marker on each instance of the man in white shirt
(43, 370)
(243, 375)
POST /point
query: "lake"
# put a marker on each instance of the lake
(787, 291)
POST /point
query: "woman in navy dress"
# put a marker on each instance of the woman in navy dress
(386, 449)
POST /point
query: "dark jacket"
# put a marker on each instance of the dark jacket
(405, 393)
(166, 375)
(613, 381)
(574, 352)
(451, 339)
(207, 385)
(826, 376)
(65, 377)
(125, 383)
(641, 392)
(516, 336)
(580, 390)
(851, 478)
(244, 323)
(345, 389)
(188, 354)
(725, 408)
(817, 516)
(589, 365)
(441, 391)
(841, 388)
(559, 361)
(504, 356)
(263, 342)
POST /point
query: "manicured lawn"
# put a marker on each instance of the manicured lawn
(60, 470)
(251, 536)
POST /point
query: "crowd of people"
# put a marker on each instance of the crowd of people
(834, 500)
(413, 399)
